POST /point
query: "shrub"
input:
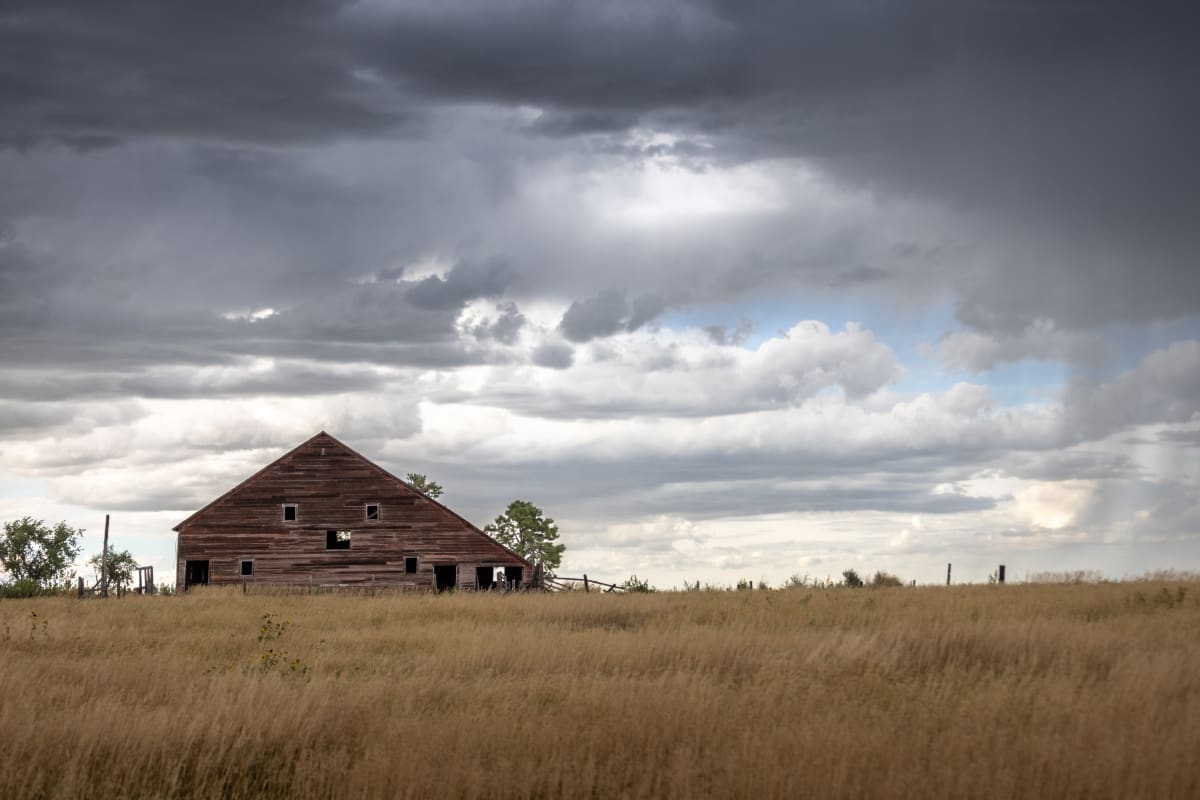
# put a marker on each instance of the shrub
(882, 578)
(634, 584)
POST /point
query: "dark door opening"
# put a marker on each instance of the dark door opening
(485, 578)
(445, 576)
(512, 577)
(195, 574)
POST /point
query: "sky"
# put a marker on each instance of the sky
(729, 289)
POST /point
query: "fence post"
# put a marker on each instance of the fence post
(243, 584)
(1001, 575)
(948, 574)
(81, 588)
(585, 583)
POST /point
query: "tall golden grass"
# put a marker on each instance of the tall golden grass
(1088, 690)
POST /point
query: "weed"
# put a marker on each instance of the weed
(36, 624)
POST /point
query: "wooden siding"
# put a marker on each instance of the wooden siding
(331, 485)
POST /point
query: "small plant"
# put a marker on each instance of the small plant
(635, 584)
(744, 585)
(1164, 599)
(797, 581)
(271, 628)
(271, 660)
(36, 624)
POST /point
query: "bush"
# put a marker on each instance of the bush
(27, 587)
(634, 584)
(850, 578)
(882, 578)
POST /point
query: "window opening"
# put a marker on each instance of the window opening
(337, 540)
(410, 564)
(289, 512)
(373, 511)
(247, 567)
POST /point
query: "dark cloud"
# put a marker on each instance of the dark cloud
(606, 313)
(1067, 127)
(602, 315)
(466, 281)
(96, 73)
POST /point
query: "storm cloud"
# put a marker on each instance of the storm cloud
(853, 261)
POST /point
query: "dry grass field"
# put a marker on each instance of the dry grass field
(987, 691)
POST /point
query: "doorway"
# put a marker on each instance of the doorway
(445, 576)
(512, 577)
(485, 578)
(195, 574)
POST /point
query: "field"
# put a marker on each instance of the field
(1086, 690)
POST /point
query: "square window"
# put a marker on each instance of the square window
(289, 512)
(247, 567)
(410, 564)
(373, 511)
(337, 540)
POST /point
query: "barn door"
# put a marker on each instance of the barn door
(445, 576)
(195, 574)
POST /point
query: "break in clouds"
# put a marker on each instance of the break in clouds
(730, 289)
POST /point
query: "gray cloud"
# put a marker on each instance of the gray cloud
(465, 282)
(505, 327)
(553, 355)
(1163, 388)
(606, 313)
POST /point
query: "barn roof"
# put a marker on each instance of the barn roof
(329, 441)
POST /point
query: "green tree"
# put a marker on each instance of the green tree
(850, 578)
(525, 530)
(121, 566)
(431, 489)
(35, 552)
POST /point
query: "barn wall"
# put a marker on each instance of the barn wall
(331, 487)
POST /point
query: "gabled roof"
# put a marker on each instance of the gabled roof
(286, 457)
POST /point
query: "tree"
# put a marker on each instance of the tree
(431, 489)
(31, 550)
(850, 578)
(523, 529)
(121, 566)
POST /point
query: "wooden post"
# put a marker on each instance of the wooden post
(243, 584)
(81, 588)
(104, 561)
(1001, 576)
(948, 574)
(585, 583)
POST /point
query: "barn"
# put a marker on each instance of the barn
(324, 515)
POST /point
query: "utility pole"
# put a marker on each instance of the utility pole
(104, 561)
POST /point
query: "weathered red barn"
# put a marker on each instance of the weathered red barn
(323, 514)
